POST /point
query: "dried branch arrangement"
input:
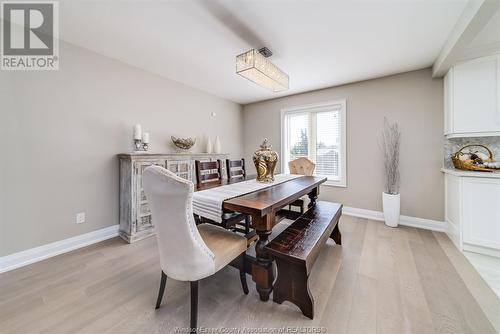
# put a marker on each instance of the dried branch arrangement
(391, 139)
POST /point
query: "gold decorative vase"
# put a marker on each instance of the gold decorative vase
(265, 160)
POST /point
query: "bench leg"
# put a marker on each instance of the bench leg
(292, 285)
(336, 236)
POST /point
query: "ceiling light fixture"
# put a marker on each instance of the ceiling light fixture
(255, 66)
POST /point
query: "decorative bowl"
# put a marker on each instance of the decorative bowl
(183, 143)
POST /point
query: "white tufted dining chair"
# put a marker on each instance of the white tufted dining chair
(187, 252)
(301, 166)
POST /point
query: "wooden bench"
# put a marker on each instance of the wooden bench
(296, 249)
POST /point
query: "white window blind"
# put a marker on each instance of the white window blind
(317, 133)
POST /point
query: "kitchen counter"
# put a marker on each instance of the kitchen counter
(458, 172)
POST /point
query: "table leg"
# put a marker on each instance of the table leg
(262, 269)
(313, 196)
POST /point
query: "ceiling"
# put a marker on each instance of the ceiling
(319, 43)
(489, 36)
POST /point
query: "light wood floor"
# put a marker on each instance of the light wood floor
(381, 280)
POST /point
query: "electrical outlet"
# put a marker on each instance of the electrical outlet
(80, 218)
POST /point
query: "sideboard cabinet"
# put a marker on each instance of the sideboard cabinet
(135, 216)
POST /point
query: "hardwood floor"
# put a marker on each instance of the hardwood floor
(381, 280)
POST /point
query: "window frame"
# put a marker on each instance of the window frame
(318, 107)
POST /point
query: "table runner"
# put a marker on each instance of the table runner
(208, 203)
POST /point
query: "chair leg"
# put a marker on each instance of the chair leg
(247, 224)
(194, 306)
(162, 289)
(243, 274)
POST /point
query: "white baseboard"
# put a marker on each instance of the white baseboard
(427, 224)
(481, 250)
(36, 254)
(453, 234)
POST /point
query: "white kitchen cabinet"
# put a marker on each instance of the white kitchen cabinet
(481, 212)
(472, 211)
(448, 102)
(452, 208)
(472, 98)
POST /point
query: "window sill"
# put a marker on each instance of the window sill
(338, 184)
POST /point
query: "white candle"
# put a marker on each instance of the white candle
(145, 137)
(137, 131)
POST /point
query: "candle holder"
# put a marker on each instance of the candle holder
(145, 146)
(138, 144)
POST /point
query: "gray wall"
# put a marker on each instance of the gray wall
(64, 129)
(413, 99)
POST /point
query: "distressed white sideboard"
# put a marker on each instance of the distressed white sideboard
(135, 215)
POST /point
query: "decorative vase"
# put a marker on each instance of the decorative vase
(265, 160)
(217, 145)
(391, 205)
(209, 147)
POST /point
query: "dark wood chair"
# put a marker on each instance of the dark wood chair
(208, 172)
(235, 169)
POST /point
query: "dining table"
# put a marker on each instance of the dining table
(264, 206)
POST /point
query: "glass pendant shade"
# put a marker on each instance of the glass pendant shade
(258, 69)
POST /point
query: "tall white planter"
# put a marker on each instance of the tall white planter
(391, 205)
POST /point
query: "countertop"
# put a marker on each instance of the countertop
(458, 172)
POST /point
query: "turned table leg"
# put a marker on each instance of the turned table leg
(313, 196)
(262, 269)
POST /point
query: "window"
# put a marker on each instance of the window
(318, 133)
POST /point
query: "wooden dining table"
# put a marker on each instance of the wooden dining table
(264, 206)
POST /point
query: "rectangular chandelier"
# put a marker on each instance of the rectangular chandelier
(260, 70)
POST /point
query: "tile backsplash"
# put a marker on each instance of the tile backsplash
(454, 144)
